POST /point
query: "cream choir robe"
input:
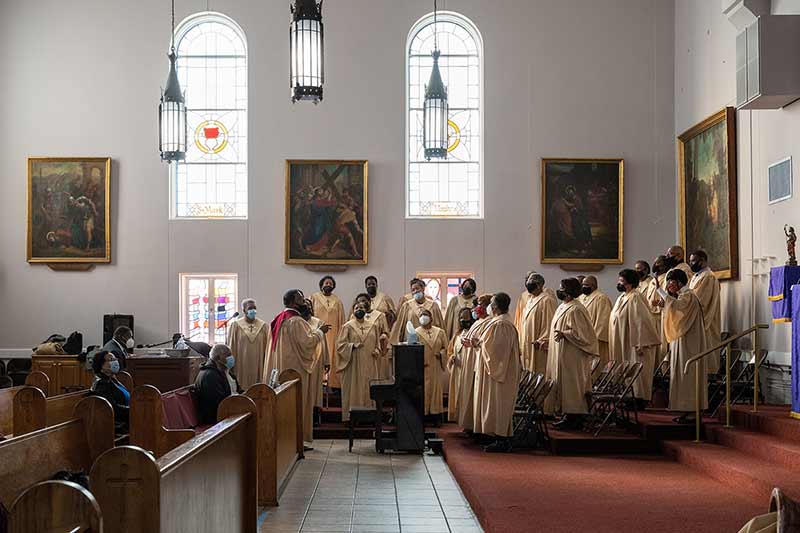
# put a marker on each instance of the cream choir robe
(497, 379)
(248, 343)
(330, 310)
(649, 291)
(383, 303)
(296, 348)
(410, 310)
(469, 368)
(685, 331)
(630, 333)
(599, 307)
(455, 360)
(454, 306)
(535, 327)
(434, 341)
(523, 301)
(358, 366)
(705, 286)
(321, 360)
(385, 363)
(409, 297)
(569, 362)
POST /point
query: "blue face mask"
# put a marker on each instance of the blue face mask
(251, 314)
(419, 296)
(230, 361)
(475, 315)
(114, 366)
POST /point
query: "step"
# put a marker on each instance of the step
(750, 476)
(770, 419)
(767, 447)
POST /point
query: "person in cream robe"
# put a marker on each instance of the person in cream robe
(411, 310)
(329, 308)
(410, 295)
(632, 336)
(534, 328)
(456, 352)
(465, 299)
(571, 348)
(247, 339)
(522, 301)
(385, 363)
(500, 365)
(434, 341)
(322, 358)
(684, 328)
(471, 364)
(705, 285)
(381, 301)
(598, 306)
(359, 352)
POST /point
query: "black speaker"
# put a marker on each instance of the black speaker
(112, 322)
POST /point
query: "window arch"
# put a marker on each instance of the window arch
(453, 187)
(212, 69)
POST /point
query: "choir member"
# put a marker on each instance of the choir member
(705, 286)
(465, 299)
(599, 307)
(456, 352)
(534, 328)
(329, 308)
(359, 352)
(471, 363)
(411, 310)
(381, 301)
(247, 339)
(434, 340)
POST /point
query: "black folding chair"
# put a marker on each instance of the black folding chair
(618, 401)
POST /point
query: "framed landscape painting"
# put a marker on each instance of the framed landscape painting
(68, 210)
(326, 212)
(707, 189)
(582, 211)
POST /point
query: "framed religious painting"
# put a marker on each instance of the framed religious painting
(707, 190)
(582, 211)
(326, 212)
(68, 210)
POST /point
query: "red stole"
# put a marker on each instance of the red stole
(277, 322)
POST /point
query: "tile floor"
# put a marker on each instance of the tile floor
(336, 491)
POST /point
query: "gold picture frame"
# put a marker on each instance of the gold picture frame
(707, 181)
(583, 211)
(69, 210)
(327, 212)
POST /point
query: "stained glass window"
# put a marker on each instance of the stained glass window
(451, 187)
(449, 281)
(207, 301)
(212, 68)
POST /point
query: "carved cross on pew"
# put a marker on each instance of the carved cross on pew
(122, 482)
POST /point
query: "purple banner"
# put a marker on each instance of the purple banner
(781, 279)
(796, 353)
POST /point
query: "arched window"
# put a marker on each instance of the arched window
(212, 69)
(452, 187)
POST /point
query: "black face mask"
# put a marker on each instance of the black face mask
(620, 287)
(696, 267)
(327, 290)
(304, 310)
(587, 290)
(467, 290)
(531, 286)
(372, 291)
(360, 314)
(671, 262)
(560, 294)
(465, 324)
(642, 274)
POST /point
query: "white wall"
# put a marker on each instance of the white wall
(584, 78)
(705, 57)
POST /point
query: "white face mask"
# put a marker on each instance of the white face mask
(424, 320)
(130, 343)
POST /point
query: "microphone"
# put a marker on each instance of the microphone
(225, 323)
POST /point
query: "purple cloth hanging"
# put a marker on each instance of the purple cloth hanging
(781, 280)
(795, 292)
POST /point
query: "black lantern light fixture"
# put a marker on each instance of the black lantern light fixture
(172, 125)
(435, 108)
(306, 51)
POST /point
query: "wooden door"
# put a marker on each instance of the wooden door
(71, 376)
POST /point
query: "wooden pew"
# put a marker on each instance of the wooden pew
(72, 445)
(149, 427)
(71, 507)
(172, 494)
(35, 379)
(32, 410)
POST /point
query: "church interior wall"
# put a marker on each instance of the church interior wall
(574, 78)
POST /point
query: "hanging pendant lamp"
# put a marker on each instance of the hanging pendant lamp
(172, 132)
(435, 108)
(306, 51)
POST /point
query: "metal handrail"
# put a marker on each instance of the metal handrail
(726, 344)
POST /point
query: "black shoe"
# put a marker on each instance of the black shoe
(307, 448)
(499, 446)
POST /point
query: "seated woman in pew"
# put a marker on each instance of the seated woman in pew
(106, 365)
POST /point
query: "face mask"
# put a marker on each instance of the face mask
(424, 320)
(372, 291)
(465, 324)
(467, 290)
(419, 296)
(251, 314)
(671, 262)
(475, 315)
(327, 290)
(587, 290)
(360, 314)
(129, 343)
(642, 274)
(303, 309)
(229, 362)
(531, 286)
(620, 287)
(560, 294)
(695, 267)
(113, 366)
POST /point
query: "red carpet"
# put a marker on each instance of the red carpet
(538, 492)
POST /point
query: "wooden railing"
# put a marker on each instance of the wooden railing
(699, 383)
